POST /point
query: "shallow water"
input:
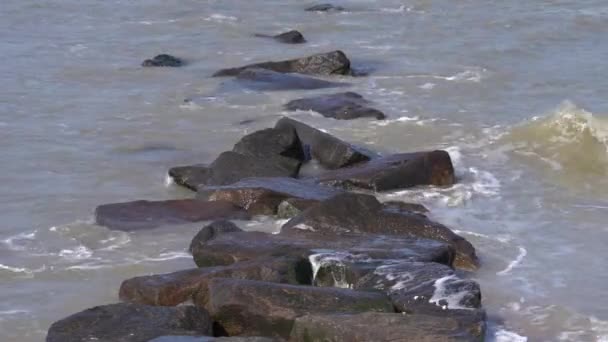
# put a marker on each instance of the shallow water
(515, 90)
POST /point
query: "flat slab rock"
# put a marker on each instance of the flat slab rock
(289, 37)
(330, 151)
(163, 60)
(325, 8)
(138, 215)
(341, 106)
(392, 172)
(265, 80)
(262, 196)
(215, 245)
(384, 327)
(361, 213)
(254, 308)
(127, 322)
(329, 63)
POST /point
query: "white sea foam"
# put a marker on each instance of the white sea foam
(427, 86)
(400, 279)
(169, 181)
(336, 260)
(514, 263)
(441, 294)
(78, 253)
(14, 242)
(221, 18)
(169, 256)
(503, 335)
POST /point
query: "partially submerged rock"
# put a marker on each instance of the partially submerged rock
(325, 8)
(163, 60)
(279, 147)
(384, 327)
(360, 213)
(254, 308)
(293, 206)
(138, 215)
(262, 196)
(330, 63)
(127, 322)
(330, 151)
(395, 171)
(342, 106)
(289, 37)
(264, 79)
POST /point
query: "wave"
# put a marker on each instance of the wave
(569, 141)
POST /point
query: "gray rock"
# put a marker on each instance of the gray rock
(342, 106)
(265, 80)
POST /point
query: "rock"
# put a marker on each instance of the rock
(138, 215)
(330, 151)
(394, 172)
(126, 322)
(179, 287)
(360, 213)
(289, 37)
(262, 196)
(254, 308)
(279, 147)
(342, 106)
(398, 206)
(213, 339)
(230, 247)
(329, 63)
(230, 167)
(325, 8)
(264, 79)
(293, 206)
(384, 327)
(163, 60)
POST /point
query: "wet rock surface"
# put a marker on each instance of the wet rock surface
(138, 215)
(126, 322)
(325, 8)
(342, 106)
(163, 60)
(289, 37)
(264, 79)
(329, 63)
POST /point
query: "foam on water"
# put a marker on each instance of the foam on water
(442, 295)
(520, 257)
(503, 335)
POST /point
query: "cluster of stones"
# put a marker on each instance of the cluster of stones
(343, 267)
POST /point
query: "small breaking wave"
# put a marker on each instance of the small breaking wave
(570, 141)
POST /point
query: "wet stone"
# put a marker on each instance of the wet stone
(289, 37)
(325, 8)
(265, 80)
(342, 106)
(163, 60)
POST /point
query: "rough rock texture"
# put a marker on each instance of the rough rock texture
(360, 213)
(254, 308)
(384, 327)
(228, 247)
(228, 168)
(262, 196)
(342, 106)
(214, 339)
(140, 215)
(325, 8)
(398, 206)
(329, 63)
(293, 206)
(264, 79)
(179, 287)
(126, 322)
(289, 37)
(280, 147)
(330, 151)
(163, 61)
(396, 171)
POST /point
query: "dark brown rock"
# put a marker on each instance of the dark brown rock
(330, 63)
(360, 213)
(190, 176)
(394, 172)
(138, 215)
(279, 147)
(126, 322)
(163, 60)
(214, 339)
(342, 106)
(179, 287)
(293, 206)
(385, 327)
(398, 206)
(330, 151)
(253, 308)
(289, 37)
(265, 80)
(325, 8)
(262, 196)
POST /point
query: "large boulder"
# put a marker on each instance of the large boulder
(262, 196)
(228, 168)
(179, 287)
(361, 213)
(330, 63)
(330, 151)
(342, 106)
(392, 172)
(280, 147)
(214, 247)
(254, 308)
(127, 322)
(385, 327)
(264, 80)
(138, 215)
(289, 37)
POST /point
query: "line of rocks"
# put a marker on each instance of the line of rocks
(343, 267)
